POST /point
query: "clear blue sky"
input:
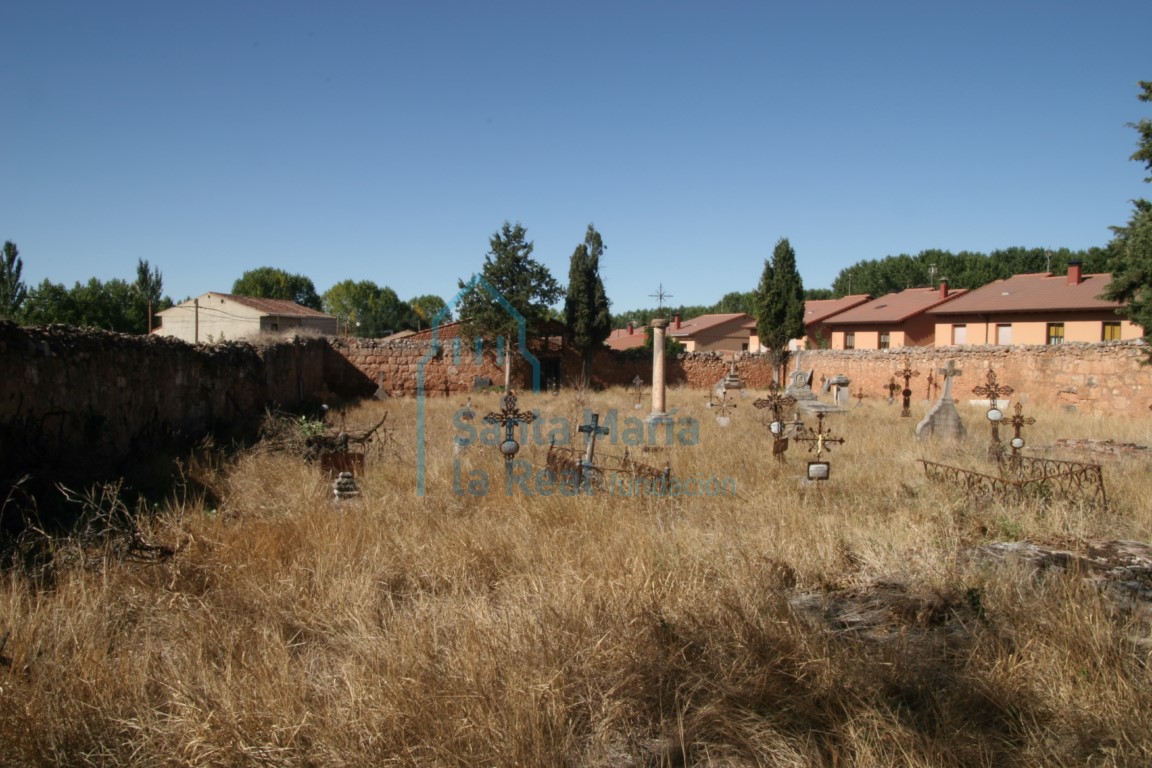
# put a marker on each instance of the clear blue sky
(389, 140)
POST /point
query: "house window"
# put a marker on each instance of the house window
(1003, 333)
(744, 347)
(1055, 333)
(1111, 331)
(849, 340)
(959, 334)
(885, 340)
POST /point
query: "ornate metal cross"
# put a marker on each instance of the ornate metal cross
(660, 296)
(892, 388)
(993, 390)
(819, 437)
(908, 375)
(777, 403)
(1018, 422)
(722, 406)
(931, 380)
(509, 417)
(591, 430)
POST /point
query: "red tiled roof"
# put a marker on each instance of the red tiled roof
(278, 307)
(620, 339)
(450, 330)
(706, 322)
(818, 310)
(895, 307)
(1036, 292)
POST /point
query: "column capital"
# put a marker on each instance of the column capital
(659, 322)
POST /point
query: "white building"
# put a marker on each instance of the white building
(222, 317)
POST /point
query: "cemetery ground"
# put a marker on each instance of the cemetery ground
(863, 621)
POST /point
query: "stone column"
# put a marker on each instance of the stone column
(658, 408)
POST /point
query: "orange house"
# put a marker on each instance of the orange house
(895, 320)
(723, 333)
(817, 335)
(1038, 308)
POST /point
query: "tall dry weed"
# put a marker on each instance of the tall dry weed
(778, 623)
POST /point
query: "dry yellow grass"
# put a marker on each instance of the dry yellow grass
(782, 624)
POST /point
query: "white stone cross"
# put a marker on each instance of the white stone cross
(948, 372)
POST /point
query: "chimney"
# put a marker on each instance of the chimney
(676, 321)
(943, 287)
(1074, 276)
(631, 328)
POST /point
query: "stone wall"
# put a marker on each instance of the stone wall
(1101, 378)
(78, 404)
(1093, 378)
(72, 399)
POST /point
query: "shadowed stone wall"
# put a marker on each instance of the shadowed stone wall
(78, 403)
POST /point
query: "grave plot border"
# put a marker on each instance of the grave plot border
(1027, 477)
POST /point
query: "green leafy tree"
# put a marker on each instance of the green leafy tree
(1132, 280)
(737, 301)
(1132, 244)
(1143, 152)
(273, 283)
(427, 308)
(149, 289)
(50, 303)
(368, 310)
(586, 307)
(13, 292)
(524, 282)
(780, 305)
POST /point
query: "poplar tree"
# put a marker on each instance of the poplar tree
(13, 292)
(586, 306)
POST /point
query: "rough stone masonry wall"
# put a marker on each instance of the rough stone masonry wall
(79, 403)
(73, 398)
(1102, 378)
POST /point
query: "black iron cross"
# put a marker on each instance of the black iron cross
(892, 388)
(591, 430)
(1018, 422)
(931, 386)
(908, 375)
(777, 403)
(509, 417)
(660, 296)
(819, 437)
(993, 390)
(638, 388)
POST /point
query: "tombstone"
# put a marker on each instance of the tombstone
(481, 383)
(732, 380)
(800, 384)
(838, 385)
(943, 420)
